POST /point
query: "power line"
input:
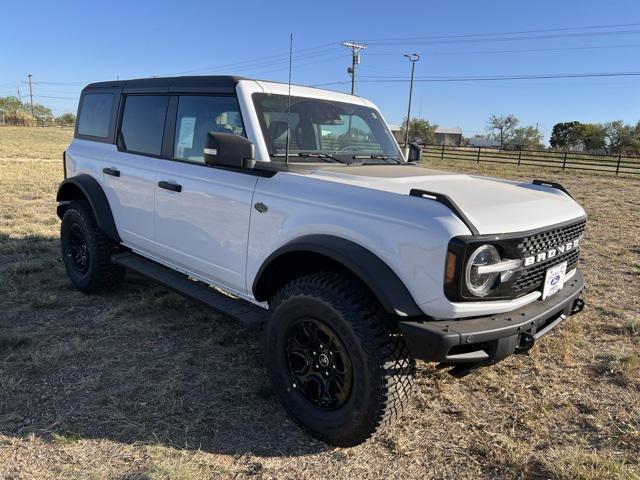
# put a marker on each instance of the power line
(60, 98)
(525, 50)
(262, 59)
(512, 32)
(297, 66)
(372, 79)
(410, 42)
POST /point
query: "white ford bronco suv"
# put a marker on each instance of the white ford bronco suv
(293, 210)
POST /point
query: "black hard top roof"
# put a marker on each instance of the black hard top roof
(193, 84)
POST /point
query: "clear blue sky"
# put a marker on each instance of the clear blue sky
(67, 44)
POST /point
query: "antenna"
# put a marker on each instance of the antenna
(286, 156)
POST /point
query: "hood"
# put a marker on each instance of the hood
(492, 205)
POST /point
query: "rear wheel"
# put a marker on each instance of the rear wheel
(336, 359)
(86, 251)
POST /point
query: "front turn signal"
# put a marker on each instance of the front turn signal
(450, 268)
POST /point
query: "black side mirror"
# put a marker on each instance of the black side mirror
(228, 149)
(415, 153)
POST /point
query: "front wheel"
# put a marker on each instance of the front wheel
(336, 359)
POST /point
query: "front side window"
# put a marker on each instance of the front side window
(199, 115)
(143, 123)
(95, 114)
(341, 130)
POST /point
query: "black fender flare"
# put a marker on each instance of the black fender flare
(85, 186)
(374, 272)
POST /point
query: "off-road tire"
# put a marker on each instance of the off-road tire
(383, 369)
(101, 275)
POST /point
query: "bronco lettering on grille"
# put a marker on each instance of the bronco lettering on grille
(552, 252)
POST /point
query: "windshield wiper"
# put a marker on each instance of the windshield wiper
(386, 158)
(319, 155)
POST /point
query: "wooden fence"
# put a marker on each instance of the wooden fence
(537, 158)
(39, 123)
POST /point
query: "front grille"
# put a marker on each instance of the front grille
(543, 241)
(532, 278)
(517, 246)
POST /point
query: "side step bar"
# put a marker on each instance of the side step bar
(252, 316)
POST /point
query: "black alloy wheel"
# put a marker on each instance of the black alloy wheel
(78, 250)
(319, 364)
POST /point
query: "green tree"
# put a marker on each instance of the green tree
(635, 148)
(527, 138)
(66, 118)
(420, 131)
(41, 112)
(502, 128)
(591, 136)
(565, 135)
(619, 136)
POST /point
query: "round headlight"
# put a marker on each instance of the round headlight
(479, 284)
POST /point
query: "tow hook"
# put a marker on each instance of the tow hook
(525, 343)
(578, 305)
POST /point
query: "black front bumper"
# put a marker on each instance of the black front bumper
(469, 343)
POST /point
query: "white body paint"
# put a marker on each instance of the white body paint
(211, 232)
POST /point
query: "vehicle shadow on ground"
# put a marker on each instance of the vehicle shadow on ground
(136, 365)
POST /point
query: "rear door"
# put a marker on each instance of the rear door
(129, 173)
(202, 212)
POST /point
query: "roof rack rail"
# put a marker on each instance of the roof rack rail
(445, 200)
(552, 185)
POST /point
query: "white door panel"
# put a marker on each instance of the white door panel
(204, 227)
(131, 196)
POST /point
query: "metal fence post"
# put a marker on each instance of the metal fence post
(479, 148)
(442, 153)
(564, 162)
(519, 156)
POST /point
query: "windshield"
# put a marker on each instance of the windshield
(324, 130)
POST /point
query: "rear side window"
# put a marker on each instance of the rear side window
(143, 123)
(95, 114)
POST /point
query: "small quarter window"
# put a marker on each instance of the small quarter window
(95, 114)
(143, 123)
(199, 115)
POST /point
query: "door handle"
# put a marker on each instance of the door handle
(174, 187)
(111, 171)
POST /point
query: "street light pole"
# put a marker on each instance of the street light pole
(413, 58)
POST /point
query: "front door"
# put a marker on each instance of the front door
(201, 212)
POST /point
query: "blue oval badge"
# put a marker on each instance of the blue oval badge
(555, 280)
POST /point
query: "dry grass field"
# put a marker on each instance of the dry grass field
(143, 384)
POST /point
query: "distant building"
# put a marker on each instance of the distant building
(448, 136)
(397, 134)
(483, 142)
(444, 136)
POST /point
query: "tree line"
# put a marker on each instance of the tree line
(17, 112)
(505, 132)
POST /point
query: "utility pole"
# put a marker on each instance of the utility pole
(413, 58)
(355, 60)
(19, 96)
(31, 95)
